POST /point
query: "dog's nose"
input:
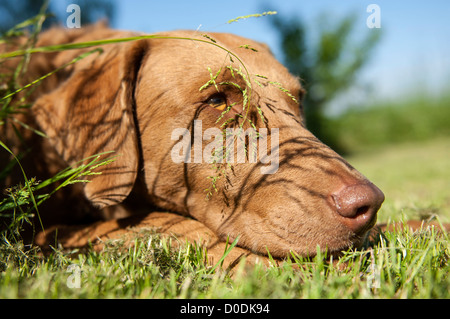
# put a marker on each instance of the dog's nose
(358, 205)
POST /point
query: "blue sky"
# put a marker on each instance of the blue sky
(412, 56)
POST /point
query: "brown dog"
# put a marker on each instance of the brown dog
(133, 97)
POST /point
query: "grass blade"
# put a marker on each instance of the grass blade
(225, 254)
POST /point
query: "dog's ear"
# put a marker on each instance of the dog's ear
(93, 112)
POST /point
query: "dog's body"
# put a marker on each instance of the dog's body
(130, 99)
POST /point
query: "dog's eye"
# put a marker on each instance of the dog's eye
(217, 101)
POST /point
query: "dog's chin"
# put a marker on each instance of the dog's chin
(335, 249)
(356, 242)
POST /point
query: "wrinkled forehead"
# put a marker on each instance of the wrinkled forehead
(182, 65)
(194, 58)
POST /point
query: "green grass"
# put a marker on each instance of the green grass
(401, 264)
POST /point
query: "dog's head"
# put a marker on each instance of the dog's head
(164, 104)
